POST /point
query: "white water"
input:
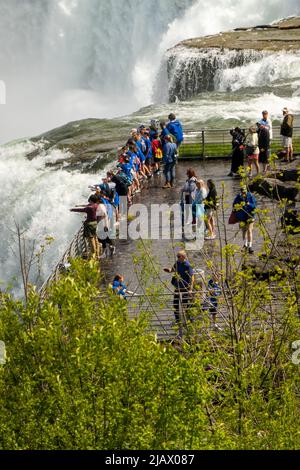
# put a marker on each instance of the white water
(280, 67)
(38, 199)
(64, 60)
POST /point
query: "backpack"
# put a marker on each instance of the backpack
(126, 180)
(158, 154)
(110, 192)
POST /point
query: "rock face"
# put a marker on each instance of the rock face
(91, 143)
(194, 64)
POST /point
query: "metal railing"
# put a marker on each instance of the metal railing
(207, 143)
(77, 248)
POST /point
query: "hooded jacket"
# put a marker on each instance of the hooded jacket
(175, 128)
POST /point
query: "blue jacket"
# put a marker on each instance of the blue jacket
(170, 153)
(175, 128)
(119, 288)
(247, 210)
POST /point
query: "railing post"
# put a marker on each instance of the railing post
(203, 142)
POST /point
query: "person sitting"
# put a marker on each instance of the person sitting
(119, 287)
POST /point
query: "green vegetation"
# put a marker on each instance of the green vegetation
(80, 375)
(221, 149)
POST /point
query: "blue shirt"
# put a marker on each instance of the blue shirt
(215, 292)
(119, 288)
(248, 204)
(185, 273)
(175, 128)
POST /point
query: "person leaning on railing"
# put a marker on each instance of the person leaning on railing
(90, 224)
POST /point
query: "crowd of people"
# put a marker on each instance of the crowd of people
(256, 144)
(142, 157)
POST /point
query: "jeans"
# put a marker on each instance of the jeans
(169, 172)
(181, 302)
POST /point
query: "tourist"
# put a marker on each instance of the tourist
(119, 288)
(175, 128)
(266, 121)
(210, 207)
(157, 152)
(105, 227)
(183, 281)
(237, 156)
(244, 206)
(188, 195)
(252, 150)
(211, 303)
(287, 134)
(198, 202)
(164, 133)
(170, 160)
(264, 146)
(90, 224)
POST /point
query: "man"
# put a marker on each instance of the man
(90, 224)
(264, 145)
(183, 281)
(266, 122)
(175, 128)
(169, 159)
(287, 134)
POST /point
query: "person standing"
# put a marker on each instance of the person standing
(169, 159)
(244, 206)
(266, 121)
(264, 146)
(237, 157)
(210, 207)
(252, 149)
(175, 128)
(90, 224)
(287, 133)
(183, 281)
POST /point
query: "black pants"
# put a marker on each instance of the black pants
(181, 301)
(106, 242)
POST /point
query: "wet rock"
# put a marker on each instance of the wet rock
(275, 189)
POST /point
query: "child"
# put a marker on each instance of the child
(211, 303)
(119, 287)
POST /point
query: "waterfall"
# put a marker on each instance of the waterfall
(63, 60)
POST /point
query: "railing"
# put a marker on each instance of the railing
(76, 249)
(207, 143)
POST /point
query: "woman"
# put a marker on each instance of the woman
(237, 157)
(210, 208)
(264, 146)
(188, 192)
(252, 150)
(198, 202)
(244, 206)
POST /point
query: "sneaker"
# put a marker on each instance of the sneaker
(251, 251)
(166, 186)
(112, 250)
(230, 174)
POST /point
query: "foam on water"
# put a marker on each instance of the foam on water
(38, 198)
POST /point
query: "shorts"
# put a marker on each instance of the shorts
(264, 156)
(286, 141)
(209, 212)
(89, 229)
(252, 157)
